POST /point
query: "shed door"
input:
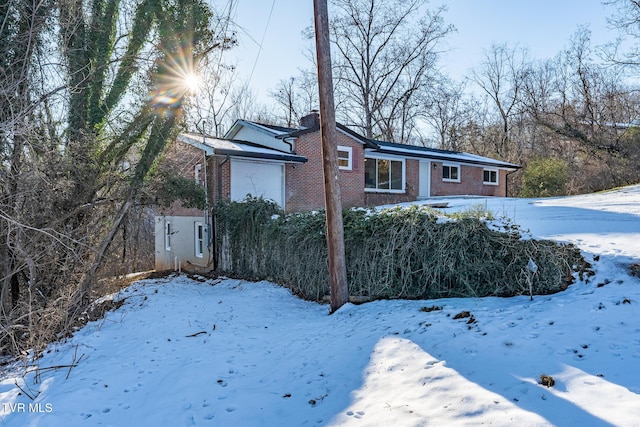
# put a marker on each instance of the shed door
(424, 190)
(257, 179)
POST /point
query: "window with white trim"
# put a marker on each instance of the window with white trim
(167, 236)
(490, 176)
(384, 174)
(345, 158)
(450, 173)
(197, 169)
(199, 239)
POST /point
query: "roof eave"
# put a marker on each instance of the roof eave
(499, 165)
(187, 139)
(261, 156)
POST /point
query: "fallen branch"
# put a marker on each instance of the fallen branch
(39, 370)
(196, 334)
(74, 362)
(25, 392)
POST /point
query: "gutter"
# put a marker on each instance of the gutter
(289, 143)
(449, 159)
(265, 156)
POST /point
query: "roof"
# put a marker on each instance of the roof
(383, 147)
(275, 130)
(442, 155)
(231, 147)
(294, 133)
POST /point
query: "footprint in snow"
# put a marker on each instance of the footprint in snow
(358, 414)
(618, 347)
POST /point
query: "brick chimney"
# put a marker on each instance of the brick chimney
(311, 120)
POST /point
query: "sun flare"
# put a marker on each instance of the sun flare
(192, 82)
(177, 78)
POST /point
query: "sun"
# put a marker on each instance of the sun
(177, 78)
(191, 82)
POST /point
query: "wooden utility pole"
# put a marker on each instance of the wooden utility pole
(333, 204)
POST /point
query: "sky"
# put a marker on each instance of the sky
(227, 352)
(271, 42)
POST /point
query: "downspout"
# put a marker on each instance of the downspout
(207, 209)
(290, 144)
(215, 254)
(506, 183)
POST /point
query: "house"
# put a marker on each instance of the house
(226, 168)
(285, 165)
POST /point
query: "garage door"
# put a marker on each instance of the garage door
(257, 179)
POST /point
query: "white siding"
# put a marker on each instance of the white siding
(247, 133)
(182, 252)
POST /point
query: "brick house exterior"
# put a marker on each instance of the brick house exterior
(305, 184)
(422, 171)
(225, 169)
(285, 165)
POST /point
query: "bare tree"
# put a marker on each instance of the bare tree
(447, 110)
(295, 97)
(384, 54)
(588, 113)
(83, 118)
(501, 77)
(626, 18)
(210, 109)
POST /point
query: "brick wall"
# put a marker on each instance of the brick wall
(220, 176)
(471, 182)
(305, 185)
(181, 158)
(305, 182)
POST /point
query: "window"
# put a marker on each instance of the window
(451, 173)
(345, 155)
(491, 176)
(384, 174)
(167, 236)
(196, 171)
(199, 239)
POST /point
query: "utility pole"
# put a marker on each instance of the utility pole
(328, 134)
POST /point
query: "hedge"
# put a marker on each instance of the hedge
(414, 253)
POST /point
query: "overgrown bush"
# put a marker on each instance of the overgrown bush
(544, 177)
(413, 252)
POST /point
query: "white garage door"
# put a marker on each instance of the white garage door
(257, 179)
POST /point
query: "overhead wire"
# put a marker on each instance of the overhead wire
(264, 34)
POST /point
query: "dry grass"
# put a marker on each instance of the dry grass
(37, 320)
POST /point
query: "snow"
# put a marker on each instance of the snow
(230, 352)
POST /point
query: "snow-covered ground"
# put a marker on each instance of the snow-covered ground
(236, 353)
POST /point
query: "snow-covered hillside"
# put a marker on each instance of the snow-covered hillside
(234, 353)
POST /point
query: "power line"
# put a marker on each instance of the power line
(262, 41)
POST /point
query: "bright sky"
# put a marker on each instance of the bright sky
(544, 26)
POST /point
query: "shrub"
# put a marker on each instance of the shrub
(544, 177)
(410, 252)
